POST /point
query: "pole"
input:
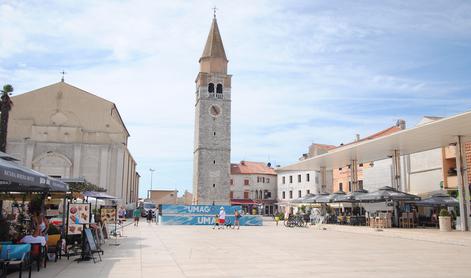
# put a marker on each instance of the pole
(463, 193)
(151, 176)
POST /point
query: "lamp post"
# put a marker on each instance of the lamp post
(151, 176)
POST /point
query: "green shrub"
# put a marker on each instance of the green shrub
(444, 212)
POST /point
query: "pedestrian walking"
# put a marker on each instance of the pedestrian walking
(149, 216)
(237, 217)
(222, 217)
(136, 214)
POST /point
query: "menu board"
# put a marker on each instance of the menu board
(108, 214)
(77, 215)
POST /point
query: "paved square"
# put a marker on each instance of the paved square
(270, 251)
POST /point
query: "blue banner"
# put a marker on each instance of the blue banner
(246, 220)
(204, 215)
(197, 209)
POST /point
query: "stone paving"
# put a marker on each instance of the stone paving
(270, 251)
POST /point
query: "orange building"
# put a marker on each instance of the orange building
(342, 176)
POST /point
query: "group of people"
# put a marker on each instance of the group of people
(220, 220)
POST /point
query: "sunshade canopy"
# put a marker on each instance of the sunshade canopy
(386, 193)
(303, 199)
(429, 136)
(99, 195)
(438, 199)
(17, 178)
(350, 198)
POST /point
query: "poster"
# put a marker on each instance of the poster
(77, 215)
(108, 214)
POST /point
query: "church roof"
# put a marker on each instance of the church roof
(214, 47)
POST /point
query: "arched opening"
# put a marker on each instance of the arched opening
(219, 89)
(211, 88)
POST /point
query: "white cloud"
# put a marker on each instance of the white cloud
(304, 72)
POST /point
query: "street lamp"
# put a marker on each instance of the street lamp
(151, 175)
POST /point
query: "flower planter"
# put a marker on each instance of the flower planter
(445, 223)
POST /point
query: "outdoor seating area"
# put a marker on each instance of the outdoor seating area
(381, 209)
(41, 221)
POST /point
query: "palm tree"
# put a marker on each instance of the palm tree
(5, 107)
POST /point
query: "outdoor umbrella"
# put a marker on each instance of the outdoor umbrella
(351, 197)
(386, 193)
(99, 195)
(17, 178)
(334, 197)
(321, 198)
(438, 199)
(304, 199)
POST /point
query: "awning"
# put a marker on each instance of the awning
(386, 193)
(429, 136)
(350, 197)
(17, 178)
(438, 199)
(99, 195)
(243, 202)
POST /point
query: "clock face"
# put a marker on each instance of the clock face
(214, 110)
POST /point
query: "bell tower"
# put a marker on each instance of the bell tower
(212, 141)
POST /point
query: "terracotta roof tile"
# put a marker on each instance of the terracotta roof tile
(249, 167)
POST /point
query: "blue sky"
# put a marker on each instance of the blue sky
(303, 71)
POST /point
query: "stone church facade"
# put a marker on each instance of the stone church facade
(65, 132)
(212, 141)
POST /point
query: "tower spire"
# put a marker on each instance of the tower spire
(214, 57)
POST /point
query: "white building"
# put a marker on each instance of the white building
(296, 184)
(66, 132)
(421, 172)
(253, 185)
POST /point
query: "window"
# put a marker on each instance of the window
(361, 164)
(260, 196)
(268, 180)
(299, 178)
(214, 185)
(263, 179)
(214, 161)
(290, 179)
(340, 169)
(283, 180)
(291, 194)
(299, 194)
(256, 194)
(232, 182)
(340, 186)
(360, 184)
(283, 194)
(258, 179)
(308, 191)
(218, 89)
(232, 195)
(246, 182)
(210, 88)
(214, 133)
(350, 186)
(308, 178)
(246, 194)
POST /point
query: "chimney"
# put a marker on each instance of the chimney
(401, 124)
(357, 137)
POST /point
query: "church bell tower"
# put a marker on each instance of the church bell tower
(212, 142)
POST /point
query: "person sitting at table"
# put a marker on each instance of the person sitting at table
(35, 238)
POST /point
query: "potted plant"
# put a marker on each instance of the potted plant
(444, 219)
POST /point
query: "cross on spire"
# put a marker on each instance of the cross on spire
(63, 73)
(214, 11)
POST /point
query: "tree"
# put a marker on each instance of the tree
(5, 107)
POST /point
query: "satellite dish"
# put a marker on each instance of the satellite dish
(268, 164)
